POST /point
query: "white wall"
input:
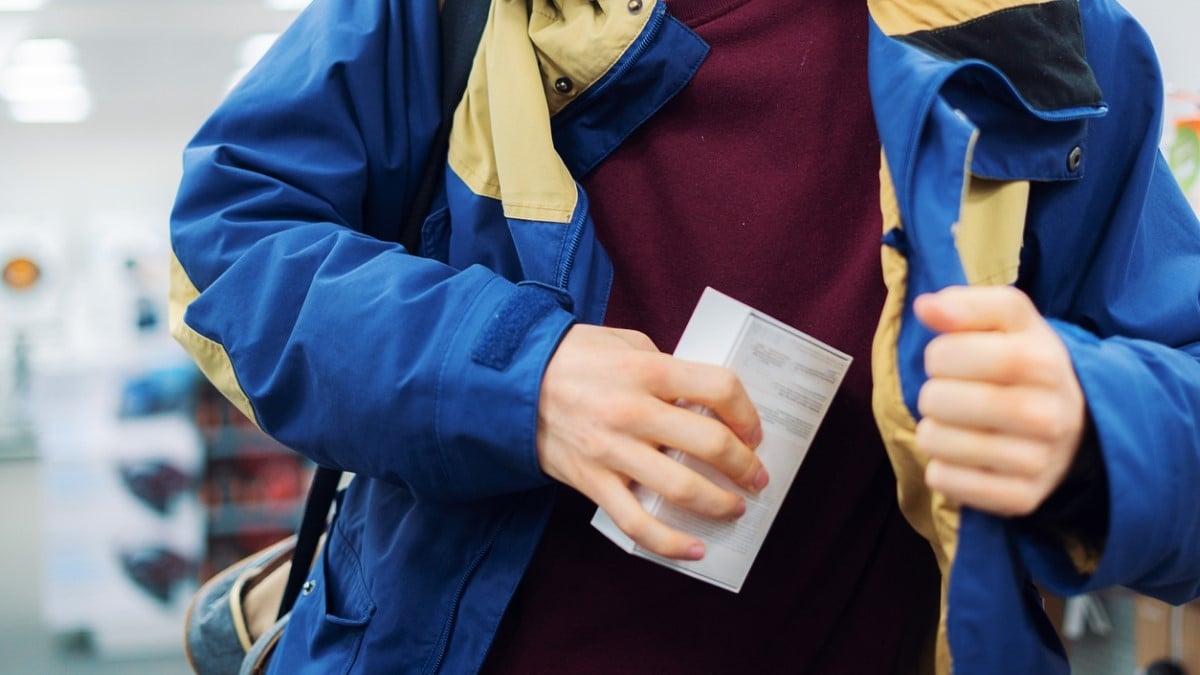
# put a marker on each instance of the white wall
(1174, 27)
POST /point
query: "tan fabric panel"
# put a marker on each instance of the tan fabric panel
(500, 144)
(900, 17)
(930, 514)
(210, 356)
(990, 230)
(1085, 558)
(582, 40)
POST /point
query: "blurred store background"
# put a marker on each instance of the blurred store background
(124, 479)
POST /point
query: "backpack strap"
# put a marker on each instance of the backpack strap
(462, 24)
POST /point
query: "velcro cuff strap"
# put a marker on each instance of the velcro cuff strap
(506, 330)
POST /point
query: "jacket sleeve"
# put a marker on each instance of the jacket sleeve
(290, 293)
(1142, 385)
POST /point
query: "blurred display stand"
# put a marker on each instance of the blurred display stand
(1181, 141)
(123, 528)
(16, 415)
(150, 480)
(31, 294)
(95, 388)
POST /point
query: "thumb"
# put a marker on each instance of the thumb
(976, 308)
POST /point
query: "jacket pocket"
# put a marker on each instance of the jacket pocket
(435, 234)
(346, 605)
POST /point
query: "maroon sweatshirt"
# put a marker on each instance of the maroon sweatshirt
(760, 179)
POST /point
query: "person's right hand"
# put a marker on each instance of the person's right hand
(608, 406)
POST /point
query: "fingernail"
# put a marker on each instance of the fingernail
(695, 551)
(740, 509)
(756, 438)
(761, 478)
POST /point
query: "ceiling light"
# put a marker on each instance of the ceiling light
(64, 111)
(21, 5)
(288, 5)
(44, 84)
(44, 50)
(22, 81)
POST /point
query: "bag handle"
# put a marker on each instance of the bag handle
(462, 24)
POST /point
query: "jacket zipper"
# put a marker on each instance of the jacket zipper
(574, 238)
(648, 37)
(439, 654)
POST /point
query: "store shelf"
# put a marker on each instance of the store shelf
(233, 519)
(253, 487)
(226, 442)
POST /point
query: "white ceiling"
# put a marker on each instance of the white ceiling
(150, 64)
(155, 69)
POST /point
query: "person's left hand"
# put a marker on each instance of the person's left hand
(1003, 413)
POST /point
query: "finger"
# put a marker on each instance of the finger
(611, 494)
(707, 439)
(982, 450)
(1033, 412)
(976, 308)
(713, 387)
(996, 494)
(677, 483)
(1001, 358)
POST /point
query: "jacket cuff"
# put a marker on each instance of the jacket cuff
(1076, 513)
(486, 403)
(1142, 406)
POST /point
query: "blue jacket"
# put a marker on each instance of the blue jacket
(421, 374)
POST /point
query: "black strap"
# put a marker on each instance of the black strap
(462, 24)
(316, 513)
(462, 27)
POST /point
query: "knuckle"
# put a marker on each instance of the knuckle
(633, 338)
(1026, 502)
(934, 475)
(617, 413)
(726, 387)
(1061, 422)
(1039, 463)
(718, 447)
(1030, 361)
(935, 355)
(1014, 296)
(732, 504)
(1027, 464)
(643, 341)
(633, 525)
(1013, 364)
(681, 491)
(655, 373)
(631, 361)
(1036, 418)
(1042, 357)
(926, 433)
(927, 397)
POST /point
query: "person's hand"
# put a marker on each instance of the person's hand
(607, 406)
(1003, 413)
